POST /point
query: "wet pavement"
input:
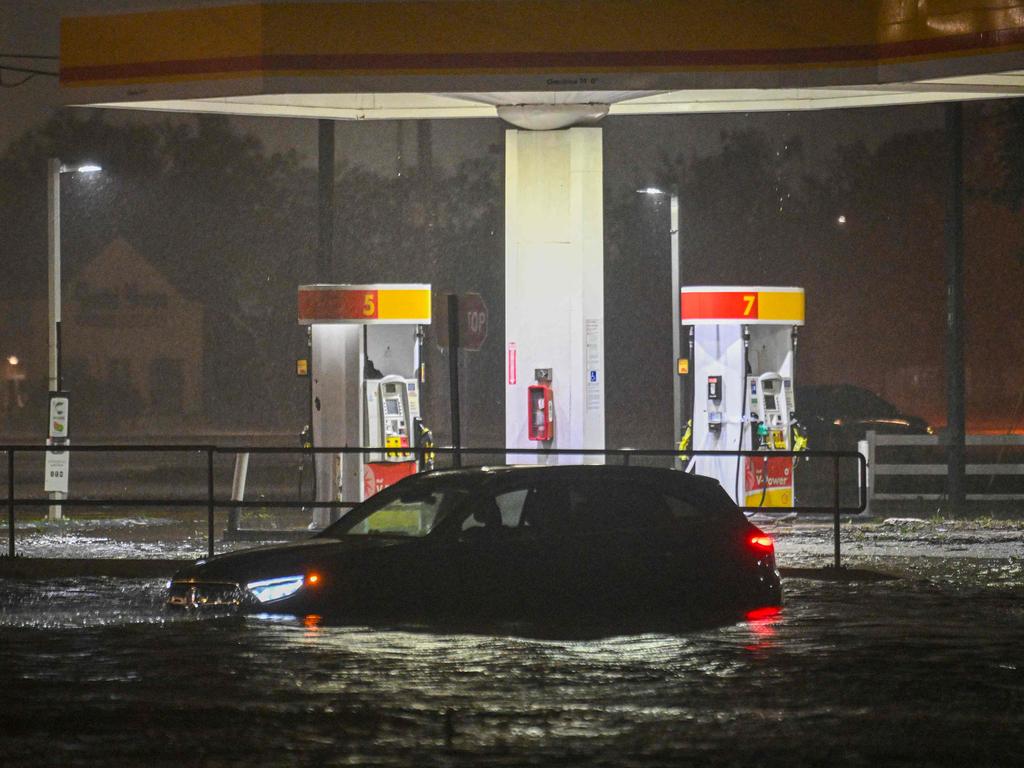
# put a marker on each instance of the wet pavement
(925, 670)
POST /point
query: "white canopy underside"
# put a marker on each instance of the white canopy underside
(394, 106)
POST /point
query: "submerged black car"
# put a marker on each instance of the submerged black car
(544, 545)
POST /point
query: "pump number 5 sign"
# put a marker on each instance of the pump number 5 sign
(359, 304)
(377, 303)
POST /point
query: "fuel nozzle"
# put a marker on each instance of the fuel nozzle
(762, 434)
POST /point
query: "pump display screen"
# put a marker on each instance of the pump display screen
(769, 401)
(392, 407)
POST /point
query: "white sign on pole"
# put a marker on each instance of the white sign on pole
(58, 463)
(58, 416)
(58, 470)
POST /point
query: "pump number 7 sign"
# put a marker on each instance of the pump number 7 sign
(700, 305)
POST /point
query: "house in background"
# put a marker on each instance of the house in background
(132, 350)
(132, 344)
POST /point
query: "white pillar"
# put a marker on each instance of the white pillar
(554, 282)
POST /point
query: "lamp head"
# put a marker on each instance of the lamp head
(83, 168)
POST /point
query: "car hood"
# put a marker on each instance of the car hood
(284, 559)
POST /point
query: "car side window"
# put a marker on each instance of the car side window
(504, 510)
(634, 507)
(510, 504)
(683, 510)
(593, 506)
(543, 505)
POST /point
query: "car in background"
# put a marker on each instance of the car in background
(837, 416)
(548, 546)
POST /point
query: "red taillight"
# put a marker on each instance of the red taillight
(762, 541)
(760, 614)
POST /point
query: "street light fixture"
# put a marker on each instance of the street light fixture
(56, 168)
(677, 379)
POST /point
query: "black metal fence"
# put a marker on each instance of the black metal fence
(211, 501)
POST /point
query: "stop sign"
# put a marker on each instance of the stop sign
(472, 322)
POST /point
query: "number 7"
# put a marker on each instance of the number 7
(748, 301)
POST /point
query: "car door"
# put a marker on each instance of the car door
(483, 556)
(577, 559)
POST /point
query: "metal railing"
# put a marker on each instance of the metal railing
(211, 502)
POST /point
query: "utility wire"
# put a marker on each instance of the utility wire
(27, 71)
(27, 56)
(23, 80)
(29, 74)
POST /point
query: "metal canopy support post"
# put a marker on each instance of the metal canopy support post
(325, 199)
(955, 409)
(453, 375)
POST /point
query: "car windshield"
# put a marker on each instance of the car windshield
(403, 510)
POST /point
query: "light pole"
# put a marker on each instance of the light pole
(677, 379)
(56, 168)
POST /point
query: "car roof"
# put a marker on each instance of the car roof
(568, 472)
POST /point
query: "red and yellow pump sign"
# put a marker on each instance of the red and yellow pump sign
(768, 481)
(747, 305)
(371, 304)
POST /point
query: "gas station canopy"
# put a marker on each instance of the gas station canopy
(543, 63)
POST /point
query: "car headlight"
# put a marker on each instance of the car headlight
(268, 590)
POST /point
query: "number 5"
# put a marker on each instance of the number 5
(369, 305)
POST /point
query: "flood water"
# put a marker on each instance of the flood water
(925, 670)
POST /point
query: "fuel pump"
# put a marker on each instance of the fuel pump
(365, 381)
(769, 398)
(392, 407)
(742, 354)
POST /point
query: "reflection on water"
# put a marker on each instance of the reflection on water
(923, 671)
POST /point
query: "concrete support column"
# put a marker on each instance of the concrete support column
(554, 283)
